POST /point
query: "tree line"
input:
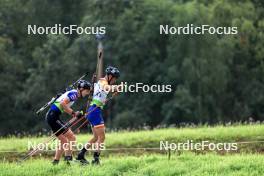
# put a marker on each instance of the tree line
(215, 78)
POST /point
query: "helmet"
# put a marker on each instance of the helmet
(84, 84)
(112, 71)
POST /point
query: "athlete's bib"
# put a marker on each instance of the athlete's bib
(99, 95)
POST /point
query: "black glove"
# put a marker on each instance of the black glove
(78, 114)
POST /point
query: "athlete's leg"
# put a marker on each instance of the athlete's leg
(94, 116)
(100, 132)
(60, 148)
(52, 117)
(86, 147)
(92, 140)
(71, 142)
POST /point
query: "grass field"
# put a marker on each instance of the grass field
(154, 164)
(248, 160)
(152, 138)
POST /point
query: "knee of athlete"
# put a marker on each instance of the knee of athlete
(63, 141)
(93, 140)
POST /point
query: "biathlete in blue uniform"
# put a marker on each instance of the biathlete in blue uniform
(94, 113)
(62, 132)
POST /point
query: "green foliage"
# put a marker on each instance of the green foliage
(215, 78)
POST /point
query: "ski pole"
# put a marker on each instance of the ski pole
(69, 124)
(51, 138)
(83, 124)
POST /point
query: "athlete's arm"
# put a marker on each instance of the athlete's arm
(66, 108)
